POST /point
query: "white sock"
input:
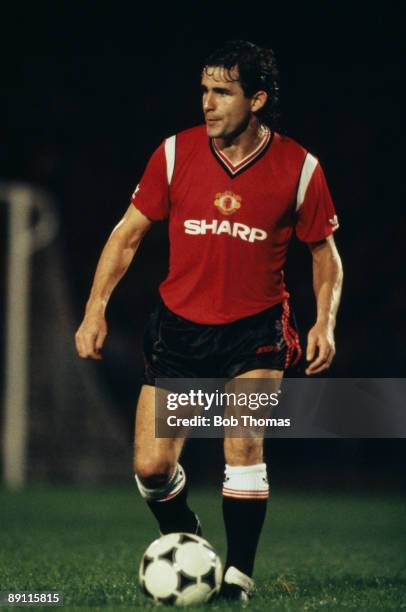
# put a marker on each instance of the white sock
(246, 481)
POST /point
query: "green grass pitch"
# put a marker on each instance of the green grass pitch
(318, 552)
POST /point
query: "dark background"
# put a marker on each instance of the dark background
(89, 91)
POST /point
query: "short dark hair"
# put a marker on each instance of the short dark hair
(257, 71)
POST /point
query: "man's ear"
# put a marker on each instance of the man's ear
(258, 100)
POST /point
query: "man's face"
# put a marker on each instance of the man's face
(226, 109)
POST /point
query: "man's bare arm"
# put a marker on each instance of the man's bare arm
(327, 283)
(116, 256)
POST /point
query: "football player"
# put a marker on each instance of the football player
(233, 190)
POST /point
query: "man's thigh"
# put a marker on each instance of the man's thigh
(151, 453)
(250, 450)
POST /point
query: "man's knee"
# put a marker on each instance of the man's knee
(159, 481)
(154, 474)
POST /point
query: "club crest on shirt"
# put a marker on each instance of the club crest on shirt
(227, 202)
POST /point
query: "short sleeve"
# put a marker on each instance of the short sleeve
(151, 196)
(316, 217)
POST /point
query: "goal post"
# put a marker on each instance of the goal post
(61, 419)
(24, 238)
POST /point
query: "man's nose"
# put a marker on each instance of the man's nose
(208, 102)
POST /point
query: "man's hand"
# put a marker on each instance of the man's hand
(320, 348)
(90, 336)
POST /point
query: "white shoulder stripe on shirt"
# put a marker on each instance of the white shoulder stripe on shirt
(170, 145)
(309, 166)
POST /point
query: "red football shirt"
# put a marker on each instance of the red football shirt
(230, 225)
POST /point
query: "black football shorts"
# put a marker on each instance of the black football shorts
(177, 348)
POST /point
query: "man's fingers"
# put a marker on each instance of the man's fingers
(81, 344)
(98, 345)
(323, 361)
(86, 344)
(311, 347)
(312, 370)
(330, 356)
(316, 343)
(321, 356)
(101, 336)
(320, 349)
(78, 343)
(323, 367)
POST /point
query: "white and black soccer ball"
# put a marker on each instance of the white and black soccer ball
(180, 569)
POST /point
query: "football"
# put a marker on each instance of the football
(180, 569)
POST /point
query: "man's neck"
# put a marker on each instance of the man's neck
(238, 147)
